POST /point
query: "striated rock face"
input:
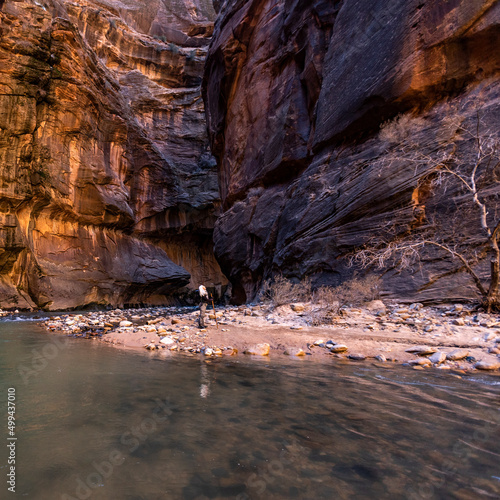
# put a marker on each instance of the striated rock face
(295, 96)
(104, 162)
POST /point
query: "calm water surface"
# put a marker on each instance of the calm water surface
(94, 422)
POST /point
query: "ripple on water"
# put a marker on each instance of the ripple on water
(186, 429)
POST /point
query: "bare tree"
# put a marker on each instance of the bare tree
(472, 169)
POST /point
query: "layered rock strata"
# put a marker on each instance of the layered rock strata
(104, 162)
(296, 95)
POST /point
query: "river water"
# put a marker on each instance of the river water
(96, 422)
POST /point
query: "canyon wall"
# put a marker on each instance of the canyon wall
(108, 192)
(298, 98)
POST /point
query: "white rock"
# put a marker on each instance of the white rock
(125, 323)
(167, 340)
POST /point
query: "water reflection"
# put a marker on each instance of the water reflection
(98, 423)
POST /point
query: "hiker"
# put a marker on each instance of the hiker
(203, 305)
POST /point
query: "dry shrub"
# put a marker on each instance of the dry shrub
(401, 128)
(282, 291)
(329, 301)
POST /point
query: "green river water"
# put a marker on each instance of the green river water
(99, 423)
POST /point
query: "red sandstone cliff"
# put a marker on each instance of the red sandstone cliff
(295, 95)
(108, 193)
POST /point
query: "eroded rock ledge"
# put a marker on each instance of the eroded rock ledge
(104, 162)
(295, 95)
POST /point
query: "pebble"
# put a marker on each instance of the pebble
(299, 307)
(381, 358)
(457, 354)
(437, 358)
(258, 350)
(296, 327)
(167, 340)
(416, 306)
(375, 306)
(357, 357)
(459, 322)
(125, 323)
(487, 365)
(494, 350)
(420, 362)
(422, 350)
(338, 348)
(294, 351)
(207, 351)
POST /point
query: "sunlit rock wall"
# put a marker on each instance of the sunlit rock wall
(104, 158)
(296, 93)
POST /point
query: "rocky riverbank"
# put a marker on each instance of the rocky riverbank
(453, 337)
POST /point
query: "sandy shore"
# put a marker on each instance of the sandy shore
(446, 337)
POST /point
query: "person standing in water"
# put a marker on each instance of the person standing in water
(203, 305)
